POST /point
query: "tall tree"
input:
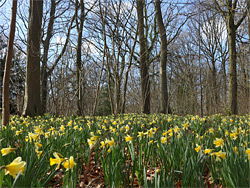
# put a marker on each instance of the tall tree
(228, 9)
(79, 72)
(163, 60)
(44, 72)
(6, 78)
(145, 82)
(32, 100)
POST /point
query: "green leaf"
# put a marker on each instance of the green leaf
(1, 177)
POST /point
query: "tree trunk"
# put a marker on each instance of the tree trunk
(248, 64)
(163, 60)
(44, 73)
(117, 94)
(145, 83)
(232, 91)
(232, 26)
(109, 85)
(78, 59)
(6, 78)
(126, 75)
(214, 87)
(224, 83)
(32, 100)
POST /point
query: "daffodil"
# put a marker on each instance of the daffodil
(6, 151)
(58, 160)
(219, 155)
(39, 153)
(18, 132)
(103, 144)
(110, 142)
(198, 147)
(206, 151)
(91, 143)
(38, 145)
(163, 139)
(150, 142)
(176, 129)
(33, 136)
(211, 130)
(150, 133)
(62, 128)
(69, 164)
(185, 126)
(140, 134)
(218, 142)
(248, 151)
(15, 167)
(128, 138)
(38, 130)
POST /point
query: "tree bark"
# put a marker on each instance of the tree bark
(164, 107)
(44, 73)
(232, 92)
(248, 65)
(145, 82)
(6, 78)
(214, 87)
(79, 74)
(32, 99)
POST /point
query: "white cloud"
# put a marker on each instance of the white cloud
(60, 40)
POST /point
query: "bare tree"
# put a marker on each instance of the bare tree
(145, 82)
(6, 78)
(32, 99)
(228, 9)
(79, 72)
(164, 105)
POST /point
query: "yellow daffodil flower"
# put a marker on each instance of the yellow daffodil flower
(211, 130)
(15, 167)
(185, 126)
(38, 145)
(198, 147)
(38, 130)
(206, 151)
(218, 142)
(58, 160)
(103, 144)
(219, 155)
(39, 153)
(140, 134)
(6, 151)
(111, 142)
(248, 151)
(18, 132)
(128, 138)
(69, 164)
(163, 140)
(62, 128)
(176, 129)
